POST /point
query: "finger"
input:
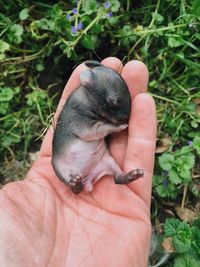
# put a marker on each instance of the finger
(136, 75)
(113, 63)
(72, 84)
(141, 143)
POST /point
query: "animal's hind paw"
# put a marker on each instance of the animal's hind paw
(76, 184)
(129, 177)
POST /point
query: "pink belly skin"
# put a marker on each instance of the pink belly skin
(89, 160)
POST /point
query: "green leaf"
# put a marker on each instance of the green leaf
(36, 97)
(56, 11)
(23, 14)
(164, 187)
(6, 94)
(180, 232)
(183, 238)
(186, 175)
(88, 42)
(45, 24)
(15, 33)
(186, 261)
(115, 5)
(4, 46)
(195, 7)
(17, 29)
(174, 177)
(4, 108)
(40, 67)
(182, 244)
(90, 6)
(196, 144)
(184, 150)
(188, 161)
(157, 179)
(196, 223)
(166, 161)
(153, 84)
(2, 56)
(166, 191)
(196, 239)
(170, 227)
(157, 17)
(161, 190)
(175, 41)
(97, 28)
(194, 124)
(113, 20)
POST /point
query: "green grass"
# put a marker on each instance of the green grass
(38, 51)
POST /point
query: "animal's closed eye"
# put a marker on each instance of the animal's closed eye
(112, 100)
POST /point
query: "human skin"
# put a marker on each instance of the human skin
(43, 223)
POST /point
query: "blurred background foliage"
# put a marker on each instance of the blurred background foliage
(40, 44)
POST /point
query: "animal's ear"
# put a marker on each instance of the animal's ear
(87, 77)
(92, 64)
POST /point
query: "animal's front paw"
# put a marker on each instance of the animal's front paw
(123, 126)
(76, 184)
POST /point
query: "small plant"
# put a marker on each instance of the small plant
(186, 241)
(18, 125)
(176, 169)
(81, 24)
(186, 261)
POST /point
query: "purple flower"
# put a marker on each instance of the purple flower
(165, 182)
(80, 26)
(68, 17)
(109, 14)
(107, 5)
(74, 10)
(190, 143)
(165, 173)
(73, 29)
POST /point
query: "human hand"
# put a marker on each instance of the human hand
(44, 224)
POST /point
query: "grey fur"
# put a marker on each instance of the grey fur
(98, 107)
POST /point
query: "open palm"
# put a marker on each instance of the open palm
(42, 223)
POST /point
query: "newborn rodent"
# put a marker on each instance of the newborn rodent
(99, 106)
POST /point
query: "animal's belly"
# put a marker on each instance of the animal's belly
(84, 156)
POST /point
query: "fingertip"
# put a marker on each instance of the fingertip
(138, 67)
(136, 75)
(114, 63)
(137, 63)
